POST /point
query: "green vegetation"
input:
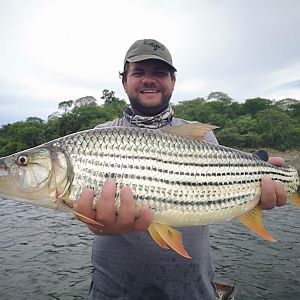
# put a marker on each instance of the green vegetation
(256, 123)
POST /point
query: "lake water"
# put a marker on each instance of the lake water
(46, 255)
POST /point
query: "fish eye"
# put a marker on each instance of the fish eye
(22, 160)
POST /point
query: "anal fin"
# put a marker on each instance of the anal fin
(168, 237)
(253, 220)
(295, 198)
(156, 237)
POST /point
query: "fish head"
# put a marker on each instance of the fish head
(38, 176)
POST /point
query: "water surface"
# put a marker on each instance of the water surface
(46, 255)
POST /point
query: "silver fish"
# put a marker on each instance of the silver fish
(184, 180)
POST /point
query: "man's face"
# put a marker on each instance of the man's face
(149, 86)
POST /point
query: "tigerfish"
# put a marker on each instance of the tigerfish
(183, 179)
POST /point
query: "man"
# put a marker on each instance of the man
(127, 264)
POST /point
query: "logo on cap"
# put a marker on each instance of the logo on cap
(154, 44)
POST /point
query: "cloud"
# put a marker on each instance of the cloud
(58, 50)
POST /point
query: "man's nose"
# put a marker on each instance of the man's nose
(148, 77)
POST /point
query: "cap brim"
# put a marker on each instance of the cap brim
(149, 56)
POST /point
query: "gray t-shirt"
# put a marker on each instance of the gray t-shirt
(132, 266)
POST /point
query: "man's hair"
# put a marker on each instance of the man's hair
(123, 75)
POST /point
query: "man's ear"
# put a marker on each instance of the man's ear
(124, 82)
(173, 79)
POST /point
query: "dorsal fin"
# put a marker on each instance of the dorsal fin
(193, 131)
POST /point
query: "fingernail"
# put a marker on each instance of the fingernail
(110, 181)
(87, 193)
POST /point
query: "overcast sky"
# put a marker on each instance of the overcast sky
(52, 51)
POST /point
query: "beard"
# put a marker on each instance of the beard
(150, 110)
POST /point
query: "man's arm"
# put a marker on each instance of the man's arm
(272, 194)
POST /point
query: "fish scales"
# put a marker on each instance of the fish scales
(185, 182)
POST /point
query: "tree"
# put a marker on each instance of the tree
(295, 110)
(65, 106)
(228, 137)
(245, 124)
(275, 129)
(256, 123)
(109, 96)
(286, 104)
(35, 120)
(11, 147)
(219, 96)
(30, 135)
(114, 109)
(253, 106)
(189, 109)
(53, 116)
(85, 101)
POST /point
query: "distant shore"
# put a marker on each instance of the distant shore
(290, 156)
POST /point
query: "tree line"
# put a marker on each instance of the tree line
(256, 123)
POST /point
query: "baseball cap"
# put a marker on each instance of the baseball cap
(148, 49)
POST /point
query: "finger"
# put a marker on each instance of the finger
(276, 161)
(105, 205)
(268, 196)
(85, 204)
(280, 193)
(127, 211)
(144, 220)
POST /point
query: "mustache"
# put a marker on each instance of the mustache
(150, 87)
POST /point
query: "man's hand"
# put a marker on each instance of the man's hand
(273, 192)
(104, 211)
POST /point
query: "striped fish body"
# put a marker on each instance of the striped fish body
(184, 181)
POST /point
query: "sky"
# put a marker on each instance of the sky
(52, 51)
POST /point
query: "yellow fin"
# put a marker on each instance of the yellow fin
(172, 238)
(86, 220)
(80, 216)
(295, 198)
(156, 237)
(253, 220)
(193, 131)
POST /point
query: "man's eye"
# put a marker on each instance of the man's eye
(161, 73)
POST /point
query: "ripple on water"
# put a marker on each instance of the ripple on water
(46, 255)
(258, 268)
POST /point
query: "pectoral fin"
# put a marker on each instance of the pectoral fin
(253, 220)
(86, 220)
(165, 236)
(80, 216)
